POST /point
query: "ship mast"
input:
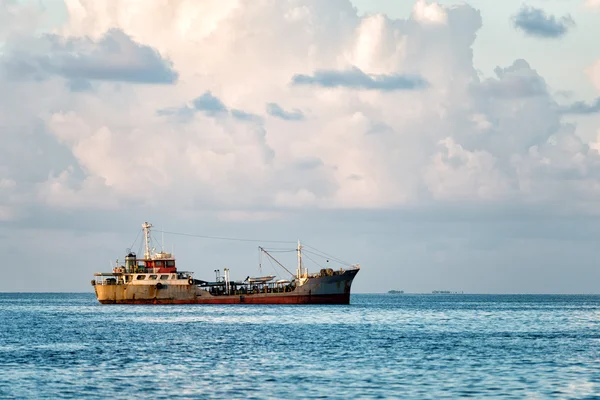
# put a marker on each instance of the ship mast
(146, 226)
(299, 250)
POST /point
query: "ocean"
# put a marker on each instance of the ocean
(380, 346)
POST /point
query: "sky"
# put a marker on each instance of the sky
(440, 145)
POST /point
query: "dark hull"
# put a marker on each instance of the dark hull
(343, 298)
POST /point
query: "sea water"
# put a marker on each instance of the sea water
(379, 346)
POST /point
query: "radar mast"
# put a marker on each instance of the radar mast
(146, 226)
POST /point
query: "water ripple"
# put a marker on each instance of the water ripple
(381, 346)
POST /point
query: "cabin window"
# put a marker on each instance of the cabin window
(159, 263)
(170, 263)
(140, 277)
(164, 277)
(152, 277)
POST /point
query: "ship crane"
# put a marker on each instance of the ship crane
(274, 259)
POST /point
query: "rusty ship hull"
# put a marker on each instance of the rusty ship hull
(314, 290)
(155, 279)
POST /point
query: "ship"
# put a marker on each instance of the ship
(155, 279)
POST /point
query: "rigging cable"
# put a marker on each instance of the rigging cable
(316, 263)
(140, 248)
(271, 257)
(259, 260)
(225, 238)
(325, 255)
(136, 238)
(273, 266)
(280, 251)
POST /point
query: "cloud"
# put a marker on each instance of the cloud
(385, 143)
(462, 174)
(79, 85)
(246, 116)
(17, 18)
(581, 107)
(210, 105)
(115, 57)
(592, 3)
(276, 111)
(429, 13)
(354, 78)
(206, 103)
(309, 163)
(536, 22)
(594, 74)
(518, 80)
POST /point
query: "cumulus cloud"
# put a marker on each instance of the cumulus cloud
(432, 13)
(536, 22)
(594, 73)
(210, 105)
(276, 111)
(17, 18)
(406, 120)
(207, 103)
(518, 80)
(115, 57)
(592, 3)
(581, 107)
(356, 79)
(246, 116)
(463, 175)
(79, 85)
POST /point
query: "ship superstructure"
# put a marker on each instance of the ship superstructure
(155, 279)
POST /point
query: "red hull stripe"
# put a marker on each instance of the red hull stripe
(314, 299)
